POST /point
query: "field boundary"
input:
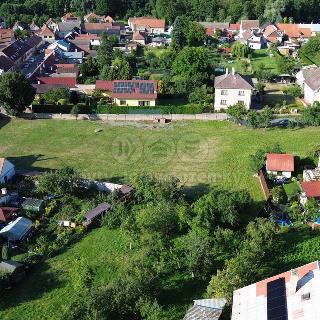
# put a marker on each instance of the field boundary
(129, 117)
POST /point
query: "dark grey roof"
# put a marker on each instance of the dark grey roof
(206, 309)
(101, 208)
(312, 78)
(233, 81)
(16, 229)
(5, 63)
(30, 203)
(68, 26)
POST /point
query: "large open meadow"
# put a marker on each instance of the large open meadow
(199, 153)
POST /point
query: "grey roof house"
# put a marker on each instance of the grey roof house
(17, 229)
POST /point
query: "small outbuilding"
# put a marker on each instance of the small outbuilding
(14, 268)
(7, 170)
(280, 164)
(35, 205)
(17, 229)
(95, 214)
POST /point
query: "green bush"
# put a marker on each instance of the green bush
(51, 108)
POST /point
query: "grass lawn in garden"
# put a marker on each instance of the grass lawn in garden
(201, 154)
(262, 57)
(291, 188)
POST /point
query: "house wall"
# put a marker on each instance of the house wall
(136, 27)
(231, 98)
(285, 174)
(133, 102)
(142, 42)
(7, 171)
(254, 45)
(310, 96)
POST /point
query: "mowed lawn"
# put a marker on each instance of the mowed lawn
(199, 153)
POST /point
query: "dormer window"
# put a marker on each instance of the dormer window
(305, 296)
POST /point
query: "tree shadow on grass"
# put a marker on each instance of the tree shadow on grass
(196, 191)
(38, 281)
(28, 162)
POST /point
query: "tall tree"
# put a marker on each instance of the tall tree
(16, 92)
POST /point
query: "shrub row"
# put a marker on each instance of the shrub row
(52, 108)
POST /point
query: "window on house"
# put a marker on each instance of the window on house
(305, 296)
(224, 92)
(241, 93)
(122, 102)
(223, 102)
(144, 103)
(240, 101)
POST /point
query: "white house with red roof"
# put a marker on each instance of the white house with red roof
(7, 170)
(130, 93)
(310, 190)
(232, 88)
(292, 295)
(147, 24)
(280, 164)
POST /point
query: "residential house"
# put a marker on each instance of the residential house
(212, 27)
(309, 80)
(16, 230)
(95, 214)
(147, 24)
(131, 92)
(6, 36)
(205, 309)
(294, 32)
(158, 42)
(9, 198)
(256, 41)
(99, 28)
(92, 39)
(291, 295)
(6, 64)
(312, 174)
(8, 214)
(33, 27)
(70, 82)
(272, 34)
(21, 50)
(70, 17)
(18, 25)
(64, 28)
(234, 28)
(314, 27)
(309, 190)
(46, 34)
(139, 37)
(280, 164)
(252, 25)
(71, 57)
(232, 88)
(7, 170)
(92, 17)
(52, 24)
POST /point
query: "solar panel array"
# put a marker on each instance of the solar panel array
(132, 87)
(276, 300)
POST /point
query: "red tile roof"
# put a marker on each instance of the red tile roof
(311, 188)
(45, 31)
(148, 21)
(69, 81)
(7, 213)
(6, 34)
(294, 31)
(280, 162)
(234, 26)
(261, 286)
(104, 85)
(97, 26)
(138, 36)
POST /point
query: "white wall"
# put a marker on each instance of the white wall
(134, 102)
(310, 96)
(7, 171)
(232, 98)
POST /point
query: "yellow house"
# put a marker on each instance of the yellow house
(131, 93)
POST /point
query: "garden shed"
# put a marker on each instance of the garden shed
(17, 229)
(93, 215)
(31, 204)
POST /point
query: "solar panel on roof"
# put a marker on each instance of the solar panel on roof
(276, 300)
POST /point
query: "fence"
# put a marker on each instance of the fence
(264, 185)
(130, 117)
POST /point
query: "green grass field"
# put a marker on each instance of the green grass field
(199, 153)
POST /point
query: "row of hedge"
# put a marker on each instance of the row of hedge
(111, 109)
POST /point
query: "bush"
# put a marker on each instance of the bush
(60, 108)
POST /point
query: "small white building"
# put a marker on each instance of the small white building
(7, 170)
(309, 80)
(232, 88)
(280, 164)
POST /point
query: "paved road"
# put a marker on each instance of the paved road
(33, 65)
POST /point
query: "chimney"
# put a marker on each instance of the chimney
(227, 71)
(294, 278)
(4, 191)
